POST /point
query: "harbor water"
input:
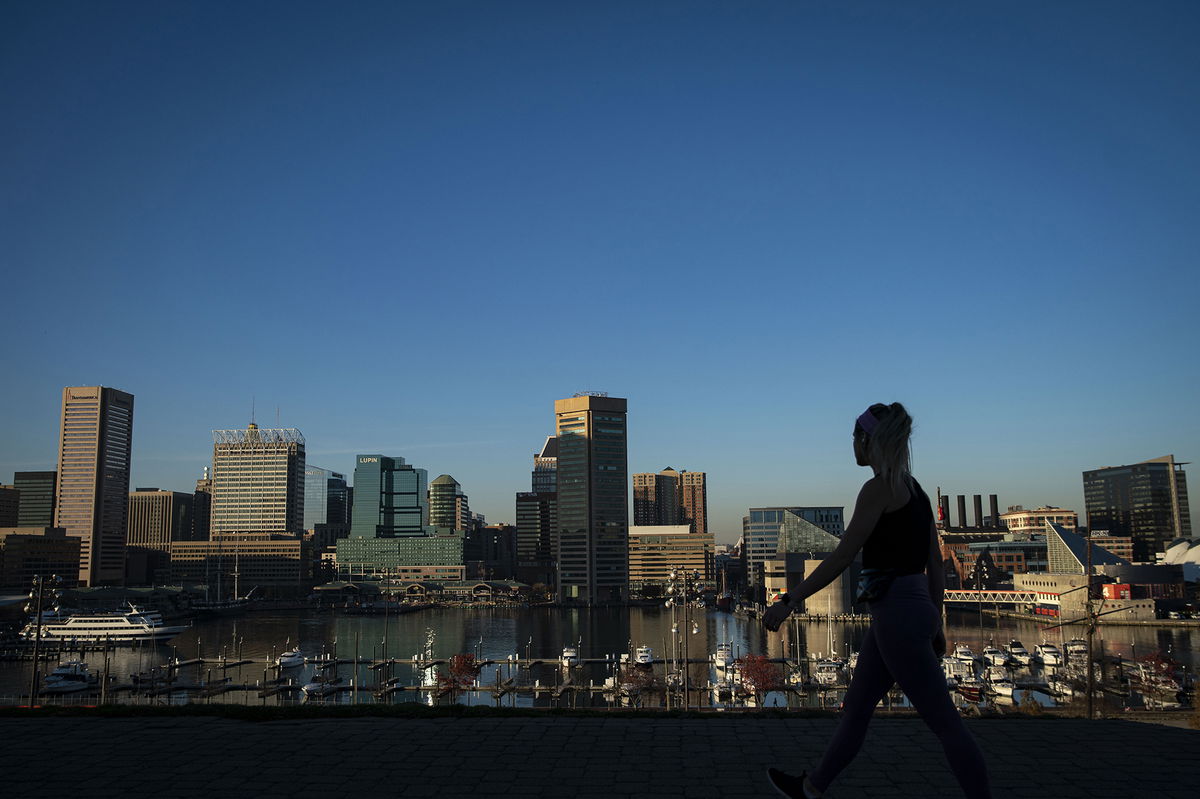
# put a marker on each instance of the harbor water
(524, 646)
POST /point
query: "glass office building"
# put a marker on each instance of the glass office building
(389, 533)
(390, 498)
(1146, 501)
(324, 497)
(37, 498)
(767, 532)
(593, 512)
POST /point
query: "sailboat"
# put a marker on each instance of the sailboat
(224, 604)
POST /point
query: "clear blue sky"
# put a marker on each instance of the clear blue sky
(409, 227)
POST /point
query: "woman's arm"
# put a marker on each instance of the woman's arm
(934, 570)
(872, 500)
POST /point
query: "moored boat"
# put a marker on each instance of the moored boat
(290, 659)
(997, 680)
(1018, 652)
(115, 627)
(69, 677)
(1048, 654)
(994, 656)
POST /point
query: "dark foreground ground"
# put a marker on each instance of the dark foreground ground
(218, 758)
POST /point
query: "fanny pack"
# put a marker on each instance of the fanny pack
(873, 584)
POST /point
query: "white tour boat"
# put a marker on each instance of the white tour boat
(115, 627)
(643, 656)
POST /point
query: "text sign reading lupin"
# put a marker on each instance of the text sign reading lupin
(368, 460)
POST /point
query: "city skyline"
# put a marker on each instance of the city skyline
(382, 228)
(723, 534)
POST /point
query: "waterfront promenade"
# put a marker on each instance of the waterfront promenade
(561, 757)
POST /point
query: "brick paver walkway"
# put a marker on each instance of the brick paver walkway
(185, 758)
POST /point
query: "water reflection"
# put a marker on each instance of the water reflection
(510, 635)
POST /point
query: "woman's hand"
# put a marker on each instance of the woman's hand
(776, 615)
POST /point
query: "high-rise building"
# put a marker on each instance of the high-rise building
(448, 505)
(537, 514)
(656, 498)
(95, 442)
(324, 497)
(202, 508)
(545, 467)
(10, 506)
(159, 518)
(390, 498)
(157, 521)
(537, 519)
(593, 515)
(258, 481)
(390, 535)
(693, 500)
(1146, 501)
(37, 497)
(669, 498)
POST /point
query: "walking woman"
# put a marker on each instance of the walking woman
(902, 584)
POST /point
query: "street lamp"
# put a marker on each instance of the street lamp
(36, 595)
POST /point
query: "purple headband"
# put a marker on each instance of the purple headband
(867, 421)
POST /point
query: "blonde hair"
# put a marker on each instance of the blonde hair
(887, 446)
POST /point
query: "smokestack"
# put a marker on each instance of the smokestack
(944, 504)
(978, 501)
(994, 504)
(962, 510)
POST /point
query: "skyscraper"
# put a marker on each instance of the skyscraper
(37, 498)
(448, 506)
(258, 481)
(202, 508)
(537, 519)
(159, 518)
(670, 498)
(545, 467)
(1147, 501)
(593, 516)
(389, 534)
(10, 506)
(324, 497)
(693, 500)
(390, 498)
(95, 441)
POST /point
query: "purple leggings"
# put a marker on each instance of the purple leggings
(899, 648)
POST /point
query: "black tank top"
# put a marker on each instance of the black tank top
(900, 540)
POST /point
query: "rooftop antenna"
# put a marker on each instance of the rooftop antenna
(277, 416)
(252, 402)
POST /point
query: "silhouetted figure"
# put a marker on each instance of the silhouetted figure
(902, 583)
